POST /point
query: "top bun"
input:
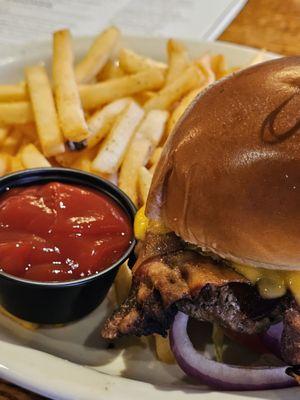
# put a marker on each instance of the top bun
(229, 176)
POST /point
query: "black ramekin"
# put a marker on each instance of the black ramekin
(60, 302)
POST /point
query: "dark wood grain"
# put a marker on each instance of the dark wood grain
(12, 392)
(270, 24)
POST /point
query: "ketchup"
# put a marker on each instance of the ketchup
(59, 232)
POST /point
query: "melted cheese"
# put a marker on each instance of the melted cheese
(142, 224)
(272, 284)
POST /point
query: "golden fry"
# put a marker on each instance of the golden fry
(155, 158)
(3, 134)
(29, 130)
(180, 109)
(146, 138)
(83, 159)
(67, 98)
(10, 93)
(95, 95)
(219, 66)
(142, 97)
(111, 70)
(46, 119)
(4, 163)
(144, 182)
(136, 156)
(112, 151)
(67, 158)
(97, 56)
(123, 283)
(132, 62)
(16, 164)
(189, 79)
(153, 126)
(101, 121)
(31, 157)
(163, 350)
(14, 113)
(83, 163)
(25, 324)
(178, 60)
(12, 142)
(204, 64)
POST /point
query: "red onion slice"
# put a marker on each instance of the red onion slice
(272, 338)
(219, 375)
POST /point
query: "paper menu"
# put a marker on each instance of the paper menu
(27, 20)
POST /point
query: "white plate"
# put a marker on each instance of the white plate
(38, 360)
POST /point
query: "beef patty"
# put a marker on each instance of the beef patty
(168, 277)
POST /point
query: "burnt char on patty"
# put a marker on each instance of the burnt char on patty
(168, 277)
(237, 306)
(290, 340)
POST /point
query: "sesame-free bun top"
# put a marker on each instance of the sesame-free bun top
(229, 176)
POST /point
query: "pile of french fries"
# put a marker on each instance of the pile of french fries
(109, 114)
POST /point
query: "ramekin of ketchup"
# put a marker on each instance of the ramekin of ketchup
(63, 235)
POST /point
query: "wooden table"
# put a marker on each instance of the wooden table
(270, 24)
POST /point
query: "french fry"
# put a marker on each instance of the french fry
(136, 156)
(163, 350)
(29, 130)
(67, 98)
(83, 163)
(178, 60)
(83, 159)
(155, 158)
(97, 56)
(144, 182)
(25, 324)
(3, 134)
(31, 157)
(95, 95)
(112, 151)
(10, 93)
(180, 109)
(189, 79)
(113, 178)
(67, 158)
(14, 113)
(123, 283)
(110, 70)
(4, 163)
(142, 97)
(25, 141)
(219, 66)
(16, 164)
(46, 119)
(146, 138)
(100, 123)
(12, 142)
(153, 126)
(132, 62)
(204, 64)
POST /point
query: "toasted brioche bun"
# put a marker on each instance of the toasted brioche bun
(229, 177)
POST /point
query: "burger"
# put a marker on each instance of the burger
(223, 237)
